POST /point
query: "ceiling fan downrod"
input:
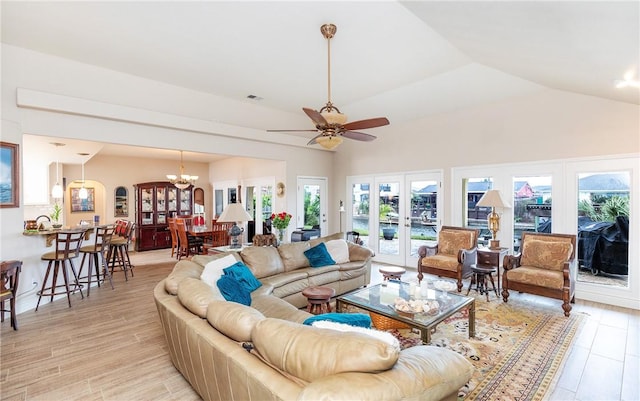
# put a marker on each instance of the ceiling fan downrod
(328, 31)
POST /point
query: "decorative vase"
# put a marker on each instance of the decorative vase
(281, 233)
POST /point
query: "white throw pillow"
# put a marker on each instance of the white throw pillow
(380, 335)
(339, 250)
(214, 270)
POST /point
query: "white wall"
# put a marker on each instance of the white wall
(89, 92)
(544, 126)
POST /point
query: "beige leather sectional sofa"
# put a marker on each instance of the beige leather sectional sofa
(229, 351)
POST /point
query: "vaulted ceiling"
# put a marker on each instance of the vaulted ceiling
(402, 60)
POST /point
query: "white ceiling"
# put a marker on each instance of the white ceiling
(402, 60)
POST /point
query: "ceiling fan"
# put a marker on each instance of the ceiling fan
(329, 121)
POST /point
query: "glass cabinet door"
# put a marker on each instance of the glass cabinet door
(146, 206)
(185, 202)
(173, 200)
(161, 205)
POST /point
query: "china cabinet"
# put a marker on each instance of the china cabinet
(155, 202)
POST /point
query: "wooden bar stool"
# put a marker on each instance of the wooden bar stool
(119, 250)
(318, 299)
(9, 280)
(67, 248)
(97, 257)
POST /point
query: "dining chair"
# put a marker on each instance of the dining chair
(9, 280)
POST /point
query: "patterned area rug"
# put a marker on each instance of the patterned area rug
(517, 351)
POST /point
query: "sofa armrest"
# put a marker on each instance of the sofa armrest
(359, 253)
(467, 257)
(511, 261)
(427, 250)
(421, 372)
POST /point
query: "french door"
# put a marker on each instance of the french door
(395, 214)
(312, 204)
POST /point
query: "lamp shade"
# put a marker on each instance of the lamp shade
(234, 212)
(492, 198)
(329, 142)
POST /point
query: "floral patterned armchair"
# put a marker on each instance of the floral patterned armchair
(452, 256)
(544, 267)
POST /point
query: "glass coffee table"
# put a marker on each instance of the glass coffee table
(380, 299)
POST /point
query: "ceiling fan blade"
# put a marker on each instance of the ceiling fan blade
(292, 130)
(313, 141)
(315, 116)
(364, 124)
(358, 136)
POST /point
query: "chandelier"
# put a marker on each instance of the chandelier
(182, 181)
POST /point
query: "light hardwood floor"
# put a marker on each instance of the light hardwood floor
(110, 346)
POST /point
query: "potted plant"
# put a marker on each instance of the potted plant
(55, 215)
(389, 231)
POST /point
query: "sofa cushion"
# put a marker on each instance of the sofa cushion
(242, 274)
(195, 295)
(339, 250)
(443, 262)
(319, 256)
(292, 255)
(450, 242)
(546, 254)
(275, 307)
(546, 278)
(214, 269)
(233, 320)
(311, 353)
(352, 319)
(233, 291)
(263, 261)
(316, 241)
(182, 270)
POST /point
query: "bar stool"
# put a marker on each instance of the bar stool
(119, 250)
(9, 280)
(479, 276)
(67, 248)
(97, 258)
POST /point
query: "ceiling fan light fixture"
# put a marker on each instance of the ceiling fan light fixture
(334, 117)
(329, 142)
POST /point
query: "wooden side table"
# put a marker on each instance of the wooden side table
(392, 273)
(318, 299)
(492, 258)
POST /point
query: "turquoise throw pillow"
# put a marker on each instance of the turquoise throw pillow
(233, 291)
(352, 319)
(242, 274)
(319, 256)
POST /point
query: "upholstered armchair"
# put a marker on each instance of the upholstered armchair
(452, 256)
(543, 267)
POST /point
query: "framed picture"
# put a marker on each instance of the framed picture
(82, 205)
(9, 176)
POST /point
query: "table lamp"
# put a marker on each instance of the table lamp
(234, 213)
(493, 199)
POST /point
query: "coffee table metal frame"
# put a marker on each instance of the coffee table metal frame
(369, 299)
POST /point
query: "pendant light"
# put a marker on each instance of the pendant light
(57, 191)
(182, 181)
(83, 193)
